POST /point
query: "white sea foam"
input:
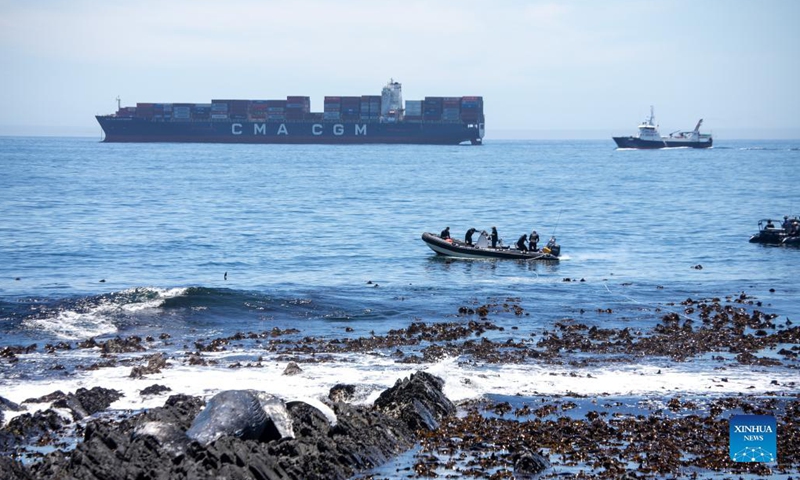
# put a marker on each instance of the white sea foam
(71, 325)
(161, 294)
(372, 375)
(97, 320)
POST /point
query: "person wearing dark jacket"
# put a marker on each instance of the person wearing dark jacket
(521, 243)
(468, 236)
(445, 233)
(494, 237)
(533, 239)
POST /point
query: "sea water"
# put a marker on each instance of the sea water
(202, 241)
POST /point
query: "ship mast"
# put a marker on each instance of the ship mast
(119, 103)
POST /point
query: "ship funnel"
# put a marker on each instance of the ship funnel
(391, 97)
(697, 128)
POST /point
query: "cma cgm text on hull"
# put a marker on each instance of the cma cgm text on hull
(381, 118)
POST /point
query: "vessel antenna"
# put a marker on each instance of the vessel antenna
(558, 219)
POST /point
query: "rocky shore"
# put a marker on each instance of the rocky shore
(250, 434)
(236, 434)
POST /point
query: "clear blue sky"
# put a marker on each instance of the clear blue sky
(579, 69)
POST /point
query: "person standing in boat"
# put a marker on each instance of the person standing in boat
(533, 239)
(788, 225)
(445, 233)
(494, 237)
(468, 236)
(521, 243)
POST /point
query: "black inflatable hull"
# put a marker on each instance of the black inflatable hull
(457, 248)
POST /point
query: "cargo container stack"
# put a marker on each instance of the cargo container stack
(451, 109)
(297, 107)
(472, 109)
(333, 108)
(158, 111)
(351, 108)
(258, 109)
(276, 110)
(181, 112)
(413, 110)
(201, 111)
(126, 112)
(432, 109)
(370, 107)
(237, 109)
(219, 110)
(145, 110)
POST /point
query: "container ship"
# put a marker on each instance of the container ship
(362, 119)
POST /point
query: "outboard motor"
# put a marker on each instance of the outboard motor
(553, 247)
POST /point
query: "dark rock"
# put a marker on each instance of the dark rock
(179, 410)
(246, 435)
(529, 464)
(13, 470)
(154, 390)
(155, 363)
(170, 437)
(97, 399)
(6, 404)
(418, 401)
(341, 393)
(36, 424)
(292, 369)
(236, 413)
(82, 403)
(120, 345)
(150, 445)
(49, 398)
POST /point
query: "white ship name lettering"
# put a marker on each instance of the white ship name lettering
(317, 129)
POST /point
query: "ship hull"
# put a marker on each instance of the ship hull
(120, 129)
(634, 142)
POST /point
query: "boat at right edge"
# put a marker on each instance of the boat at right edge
(648, 137)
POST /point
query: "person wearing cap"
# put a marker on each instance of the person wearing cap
(445, 233)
